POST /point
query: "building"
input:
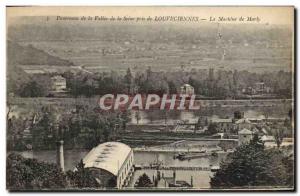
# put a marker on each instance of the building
(111, 164)
(249, 90)
(223, 125)
(260, 87)
(59, 83)
(187, 89)
(268, 138)
(245, 136)
(243, 123)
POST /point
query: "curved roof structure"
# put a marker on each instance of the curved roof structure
(108, 156)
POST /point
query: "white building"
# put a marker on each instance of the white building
(187, 89)
(110, 162)
(245, 136)
(59, 83)
(260, 87)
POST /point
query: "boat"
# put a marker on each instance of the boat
(179, 156)
(190, 156)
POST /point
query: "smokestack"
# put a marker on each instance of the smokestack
(174, 176)
(192, 181)
(158, 175)
(60, 155)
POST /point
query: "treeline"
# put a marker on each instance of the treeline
(82, 84)
(80, 128)
(220, 84)
(252, 165)
(30, 174)
(207, 83)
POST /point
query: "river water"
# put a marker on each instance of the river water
(200, 178)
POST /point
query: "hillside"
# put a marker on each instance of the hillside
(101, 47)
(28, 55)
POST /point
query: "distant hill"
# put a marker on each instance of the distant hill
(29, 55)
(164, 47)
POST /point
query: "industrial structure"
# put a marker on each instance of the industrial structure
(111, 164)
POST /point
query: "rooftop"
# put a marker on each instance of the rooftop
(245, 131)
(267, 138)
(57, 77)
(242, 120)
(186, 85)
(108, 156)
(222, 120)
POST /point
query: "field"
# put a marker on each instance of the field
(170, 47)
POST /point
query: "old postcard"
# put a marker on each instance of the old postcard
(150, 99)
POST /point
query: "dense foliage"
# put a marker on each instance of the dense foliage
(82, 177)
(253, 165)
(144, 181)
(22, 174)
(213, 84)
(81, 128)
(30, 174)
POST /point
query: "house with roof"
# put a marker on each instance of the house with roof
(187, 89)
(59, 84)
(245, 136)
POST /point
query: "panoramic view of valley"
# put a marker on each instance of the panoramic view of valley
(60, 138)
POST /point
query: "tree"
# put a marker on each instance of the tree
(165, 116)
(112, 182)
(290, 113)
(212, 128)
(200, 123)
(32, 89)
(47, 125)
(128, 80)
(30, 174)
(287, 122)
(278, 135)
(252, 165)
(151, 114)
(137, 116)
(206, 122)
(125, 118)
(238, 115)
(144, 181)
(172, 87)
(82, 177)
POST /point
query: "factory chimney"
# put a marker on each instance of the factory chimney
(60, 155)
(174, 176)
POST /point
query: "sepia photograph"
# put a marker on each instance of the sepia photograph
(141, 98)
